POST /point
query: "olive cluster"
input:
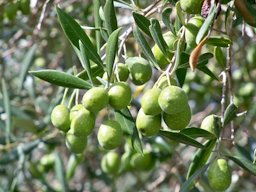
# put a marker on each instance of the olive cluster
(167, 102)
(79, 122)
(11, 8)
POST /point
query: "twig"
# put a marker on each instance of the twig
(38, 27)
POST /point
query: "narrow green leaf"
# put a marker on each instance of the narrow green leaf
(85, 61)
(188, 184)
(96, 72)
(156, 32)
(111, 50)
(244, 163)
(110, 16)
(219, 56)
(61, 79)
(201, 157)
(97, 23)
(144, 46)
(142, 22)
(181, 72)
(127, 123)
(230, 113)
(7, 110)
(180, 13)
(243, 151)
(195, 132)
(220, 41)
(26, 63)
(13, 154)
(166, 19)
(181, 138)
(60, 173)
(206, 25)
(207, 71)
(74, 33)
(73, 162)
(217, 125)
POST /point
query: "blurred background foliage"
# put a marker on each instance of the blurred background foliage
(33, 155)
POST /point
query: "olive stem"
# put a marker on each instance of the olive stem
(64, 96)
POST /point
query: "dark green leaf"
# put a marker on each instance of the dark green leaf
(127, 123)
(197, 132)
(96, 71)
(186, 186)
(166, 19)
(111, 50)
(61, 79)
(201, 157)
(142, 22)
(60, 173)
(181, 72)
(230, 113)
(207, 71)
(74, 33)
(156, 32)
(242, 151)
(97, 23)
(85, 61)
(110, 16)
(219, 56)
(206, 25)
(181, 138)
(13, 155)
(244, 163)
(219, 41)
(216, 125)
(144, 46)
(7, 110)
(26, 63)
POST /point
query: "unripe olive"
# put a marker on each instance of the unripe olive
(191, 6)
(161, 60)
(110, 134)
(172, 99)
(76, 144)
(148, 125)
(74, 111)
(120, 95)
(149, 102)
(178, 120)
(142, 162)
(208, 123)
(95, 99)
(192, 28)
(83, 123)
(110, 163)
(219, 175)
(163, 82)
(60, 117)
(140, 70)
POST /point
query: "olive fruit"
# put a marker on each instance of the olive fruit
(191, 6)
(74, 111)
(110, 163)
(95, 99)
(149, 102)
(191, 31)
(76, 144)
(251, 54)
(123, 71)
(208, 123)
(110, 134)
(140, 70)
(60, 117)
(83, 123)
(148, 125)
(119, 95)
(163, 82)
(161, 60)
(178, 120)
(172, 99)
(219, 175)
(142, 162)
